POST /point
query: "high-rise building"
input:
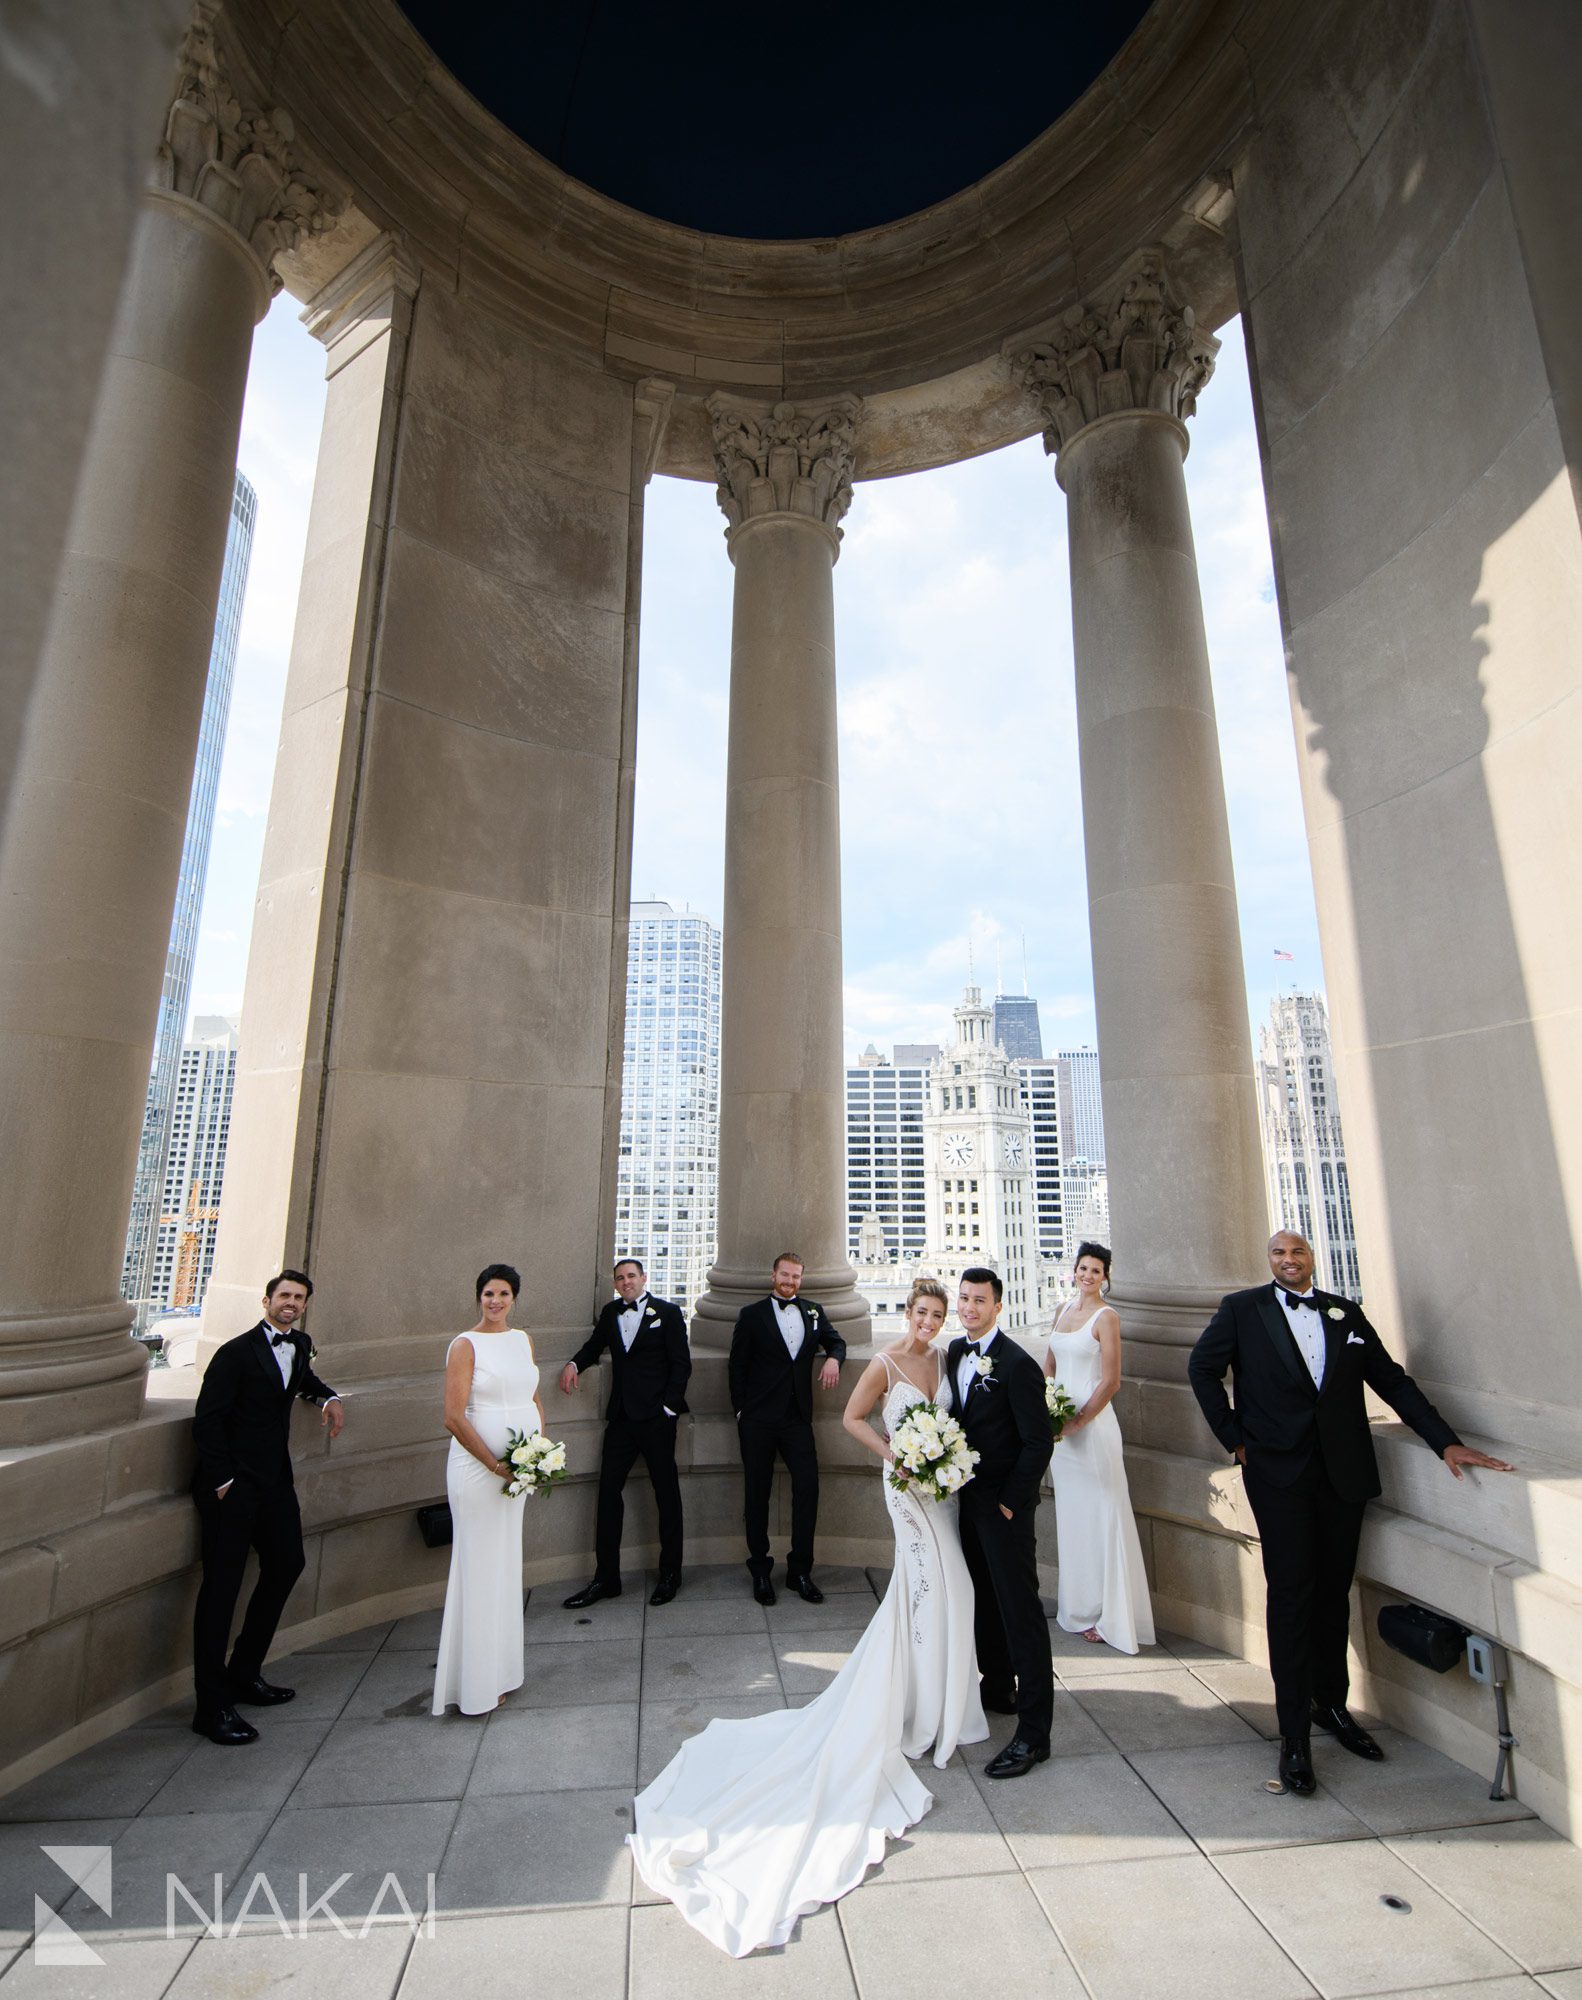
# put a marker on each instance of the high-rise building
(1304, 1152)
(1016, 1026)
(885, 1210)
(1081, 1107)
(153, 1152)
(978, 1145)
(1040, 1087)
(668, 1179)
(189, 1208)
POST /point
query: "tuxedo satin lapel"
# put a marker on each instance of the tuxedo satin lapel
(1284, 1340)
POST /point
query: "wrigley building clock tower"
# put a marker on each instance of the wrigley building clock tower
(977, 1149)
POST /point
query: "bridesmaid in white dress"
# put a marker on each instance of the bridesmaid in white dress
(753, 1824)
(491, 1388)
(1103, 1586)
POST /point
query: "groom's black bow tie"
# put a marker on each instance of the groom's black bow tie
(1293, 1301)
(278, 1339)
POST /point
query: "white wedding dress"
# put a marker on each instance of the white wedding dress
(754, 1824)
(1102, 1580)
(481, 1654)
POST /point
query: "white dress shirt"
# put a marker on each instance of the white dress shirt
(629, 1319)
(966, 1371)
(285, 1354)
(1307, 1328)
(792, 1331)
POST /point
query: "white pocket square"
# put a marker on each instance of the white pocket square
(1355, 1340)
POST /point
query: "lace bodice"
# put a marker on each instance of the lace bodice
(903, 1393)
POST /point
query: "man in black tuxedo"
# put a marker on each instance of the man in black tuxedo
(1298, 1427)
(771, 1386)
(650, 1361)
(1000, 1404)
(247, 1499)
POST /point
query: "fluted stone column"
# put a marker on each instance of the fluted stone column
(92, 844)
(1116, 379)
(785, 482)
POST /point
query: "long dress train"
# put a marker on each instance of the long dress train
(1102, 1580)
(753, 1824)
(480, 1639)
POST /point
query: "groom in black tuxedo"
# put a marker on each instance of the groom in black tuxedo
(1000, 1402)
(650, 1361)
(247, 1499)
(1298, 1427)
(771, 1386)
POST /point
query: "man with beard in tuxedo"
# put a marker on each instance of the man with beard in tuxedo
(1298, 1428)
(771, 1387)
(247, 1499)
(650, 1361)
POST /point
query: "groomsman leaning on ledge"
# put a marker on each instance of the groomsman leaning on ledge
(650, 1361)
(771, 1385)
(1298, 1427)
(247, 1499)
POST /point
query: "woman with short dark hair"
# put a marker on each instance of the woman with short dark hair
(491, 1389)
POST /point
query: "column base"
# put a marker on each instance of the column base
(1160, 1325)
(832, 1287)
(65, 1373)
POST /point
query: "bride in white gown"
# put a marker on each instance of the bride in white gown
(753, 1824)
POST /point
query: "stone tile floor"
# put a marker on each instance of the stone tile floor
(1147, 1857)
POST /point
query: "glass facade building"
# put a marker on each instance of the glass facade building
(885, 1162)
(154, 1145)
(1304, 1151)
(189, 1208)
(668, 1178)
(1016, 1026)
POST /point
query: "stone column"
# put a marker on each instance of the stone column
(785, 482)
(1115, 380)
(93, 840)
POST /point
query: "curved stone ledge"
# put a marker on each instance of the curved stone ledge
(96, 1601)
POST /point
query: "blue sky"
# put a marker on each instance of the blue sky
(961, 818)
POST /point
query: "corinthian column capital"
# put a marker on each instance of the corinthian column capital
(1133, 346)
(238, 162)
(784, 458)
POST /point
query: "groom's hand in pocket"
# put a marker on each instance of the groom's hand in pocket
(1006, 1512)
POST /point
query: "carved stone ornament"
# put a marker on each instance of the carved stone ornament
(239, 163)
(788, 459)
(1139, 349)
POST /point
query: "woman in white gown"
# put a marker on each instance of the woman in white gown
(1103, 1586)
(753, 1824)
(491, 1389)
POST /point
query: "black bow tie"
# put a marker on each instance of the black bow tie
(1293, 1301)
(278, 1339)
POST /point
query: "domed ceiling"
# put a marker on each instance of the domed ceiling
(776, 122)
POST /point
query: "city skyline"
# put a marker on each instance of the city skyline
(954, 644)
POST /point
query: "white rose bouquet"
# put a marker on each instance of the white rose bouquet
(929, 1452)
(1059, 1405)
(535, 1461)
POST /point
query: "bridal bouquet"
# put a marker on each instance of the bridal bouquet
(930, 1452)
(535, 1463)
(1059, 1405)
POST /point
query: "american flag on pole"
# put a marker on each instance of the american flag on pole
(1288, 956)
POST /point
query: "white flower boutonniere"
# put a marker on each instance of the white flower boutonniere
(982, 1366)
(1335, 1312)
(812, 1315)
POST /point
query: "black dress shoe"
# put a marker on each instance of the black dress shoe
(257, 1692)
(666, 1584)
(592, 1593)
(763, 1590)
(1350, 1735)
(1296, 1766)
(806, 1589)
(997, 1703)
(1017, 1758)
(224, 1725)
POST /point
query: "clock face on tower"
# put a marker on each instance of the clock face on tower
(1012, 1144)
(958, 1149)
